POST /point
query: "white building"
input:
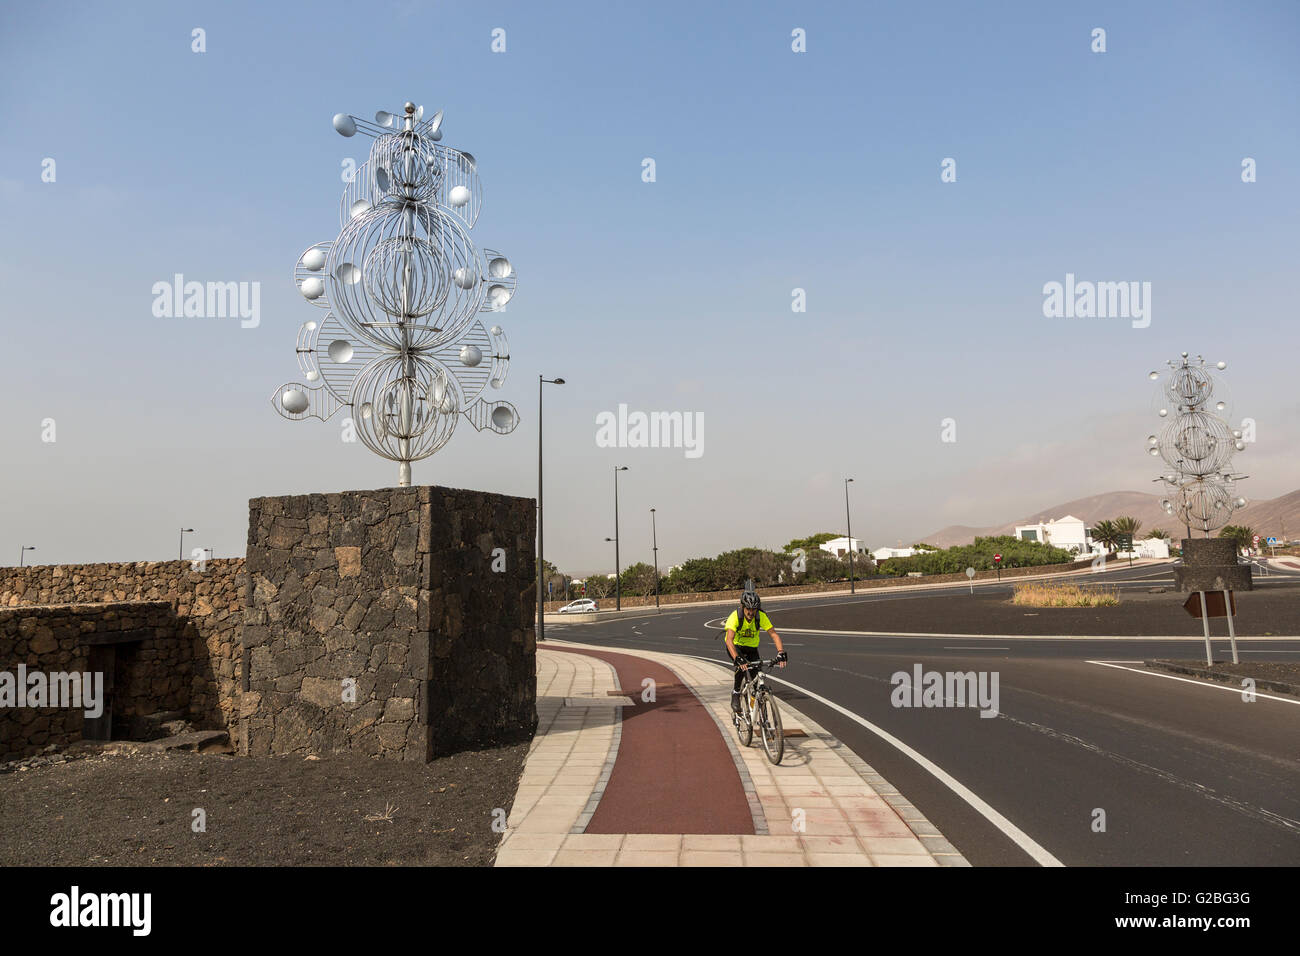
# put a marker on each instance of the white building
(1068, 532)
(841, 546)
(884, 554)
(1149, 548)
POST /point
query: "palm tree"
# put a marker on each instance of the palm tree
(1105, 533)
(1241, 535)
(1160, 533)
(1127, 525)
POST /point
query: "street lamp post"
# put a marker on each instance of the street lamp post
(541, 562)
(23, 553)
(654, 537)
(848, 520)
(180, 548)
(618, 572)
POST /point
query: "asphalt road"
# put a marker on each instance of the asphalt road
(1182, 773)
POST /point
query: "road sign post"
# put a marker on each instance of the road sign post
(970, 575)
(1125, 541)
(997, 562)
(1232, 631)
(1205, 622)
(1206, 605)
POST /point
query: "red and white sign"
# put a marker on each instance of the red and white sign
(1257, 539)
(997, 557)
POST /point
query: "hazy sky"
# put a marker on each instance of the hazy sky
(774, 171)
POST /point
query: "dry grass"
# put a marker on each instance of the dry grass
(1056, 594)
(386, 816)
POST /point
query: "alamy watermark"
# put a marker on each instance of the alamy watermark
(57, 689)
(651, 430)
(76, 908)
(208, 300)
(1098, 300)
(923, 688)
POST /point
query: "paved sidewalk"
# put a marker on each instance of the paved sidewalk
(822, 806)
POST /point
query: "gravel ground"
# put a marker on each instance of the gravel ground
(1275, 611)
(137, 810)
(1283, 672)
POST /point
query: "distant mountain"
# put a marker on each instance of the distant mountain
(1266, 516)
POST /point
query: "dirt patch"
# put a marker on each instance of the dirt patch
(137, 810)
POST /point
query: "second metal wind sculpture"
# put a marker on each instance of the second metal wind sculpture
(1198, 446)
(401, 344)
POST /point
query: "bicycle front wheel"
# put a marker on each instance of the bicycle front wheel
(744, 725)
(769, 719)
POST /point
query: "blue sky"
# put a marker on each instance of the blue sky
(775, 170)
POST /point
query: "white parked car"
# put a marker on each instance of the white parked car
(581, 606)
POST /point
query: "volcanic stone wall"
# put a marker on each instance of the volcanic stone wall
(396, 623)
(207, 602)
(143, 643)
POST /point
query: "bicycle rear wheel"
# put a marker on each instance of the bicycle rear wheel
(769, 722)
(744, 726)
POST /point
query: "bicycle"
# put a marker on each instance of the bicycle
(758, 705)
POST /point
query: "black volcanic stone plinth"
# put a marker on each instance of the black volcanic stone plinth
(1210, 564)
(393, 623)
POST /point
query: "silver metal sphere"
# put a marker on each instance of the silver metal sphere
(294, 401)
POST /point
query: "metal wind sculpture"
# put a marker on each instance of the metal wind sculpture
(1198, 445)
(400, 344)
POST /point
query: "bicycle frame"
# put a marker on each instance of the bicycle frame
(752, 684)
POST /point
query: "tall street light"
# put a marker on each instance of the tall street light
(23, 553)
(180, 548)
(654, 537)
(849, 521)
(618, 572)
(541, 562)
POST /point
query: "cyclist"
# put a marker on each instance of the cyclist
(743, 630)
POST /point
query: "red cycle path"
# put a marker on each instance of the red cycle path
(673, 772)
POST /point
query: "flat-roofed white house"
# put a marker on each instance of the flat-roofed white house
(1068, 532)
(841, 546)
(1148, 548)
(884, 554)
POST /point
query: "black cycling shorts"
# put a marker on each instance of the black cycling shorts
(746, 654)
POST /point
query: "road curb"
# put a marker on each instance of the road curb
(1276, 686)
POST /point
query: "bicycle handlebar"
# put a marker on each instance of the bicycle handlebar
(760, 663)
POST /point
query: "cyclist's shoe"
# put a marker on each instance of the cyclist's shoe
(735, 704)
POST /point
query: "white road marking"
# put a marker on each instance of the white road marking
(1009, 829)
(963, 648)
(1198, 683)
(1030, 637)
